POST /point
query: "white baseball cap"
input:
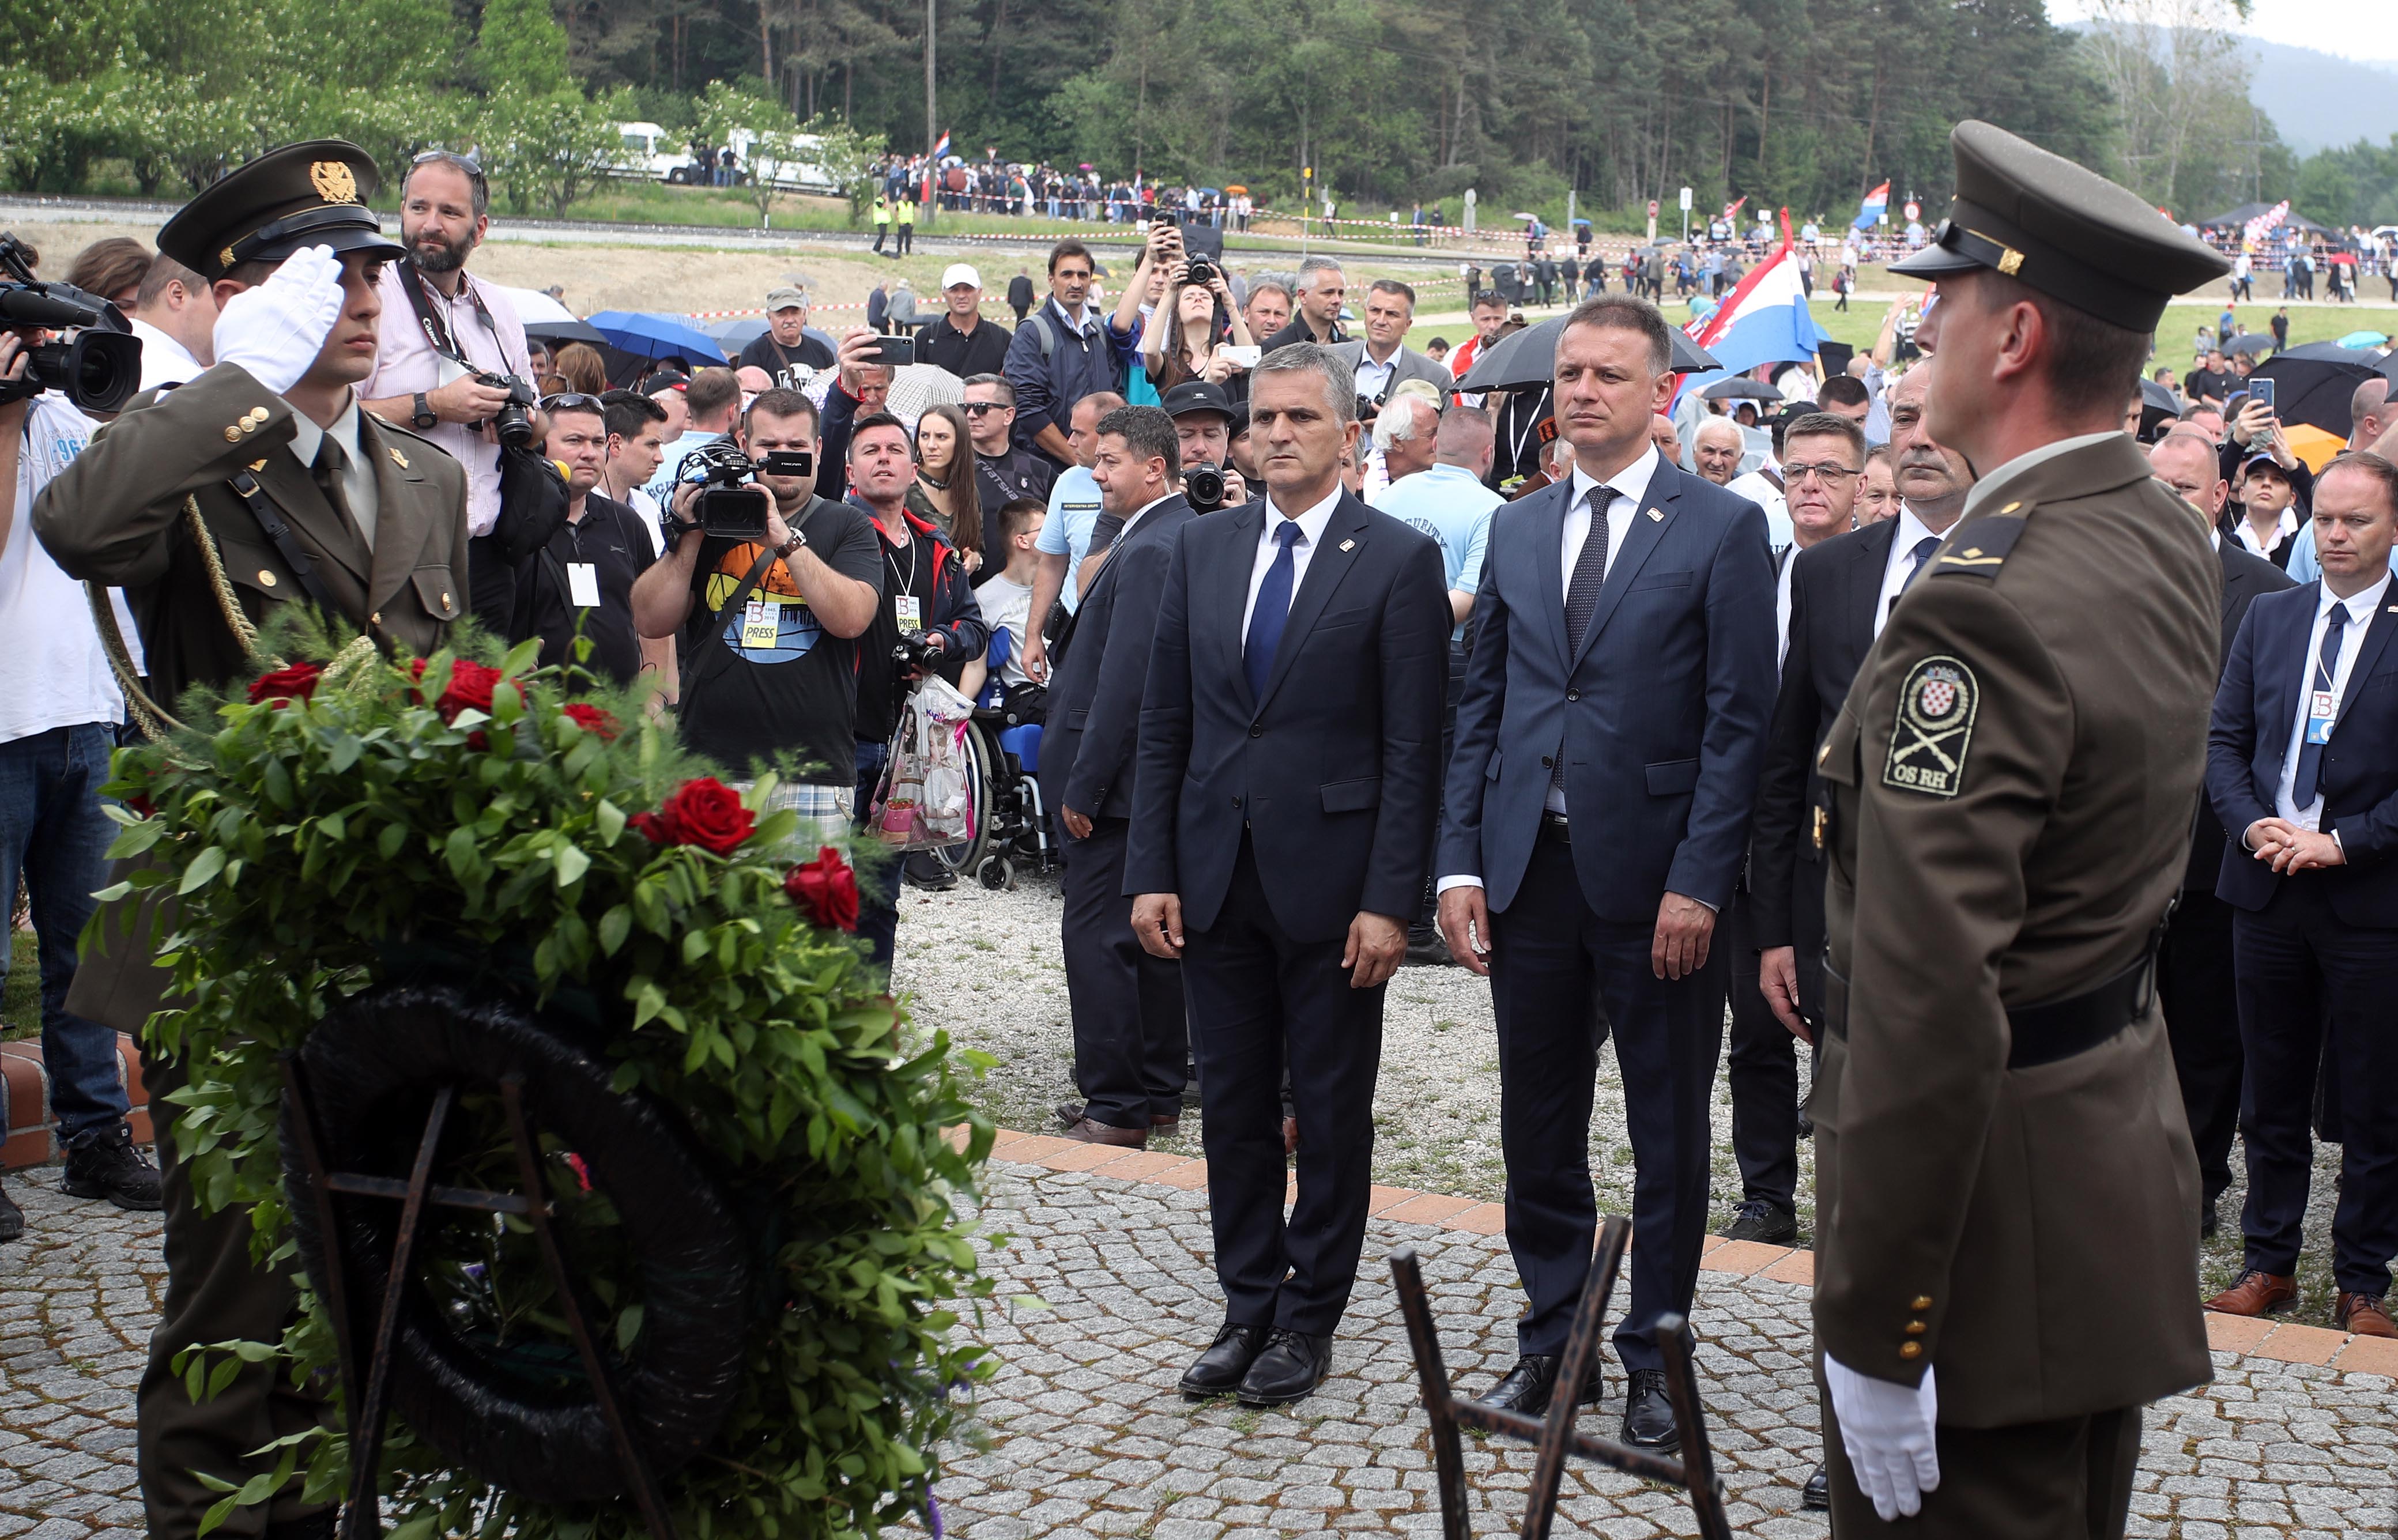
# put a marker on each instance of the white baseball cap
(959, 272)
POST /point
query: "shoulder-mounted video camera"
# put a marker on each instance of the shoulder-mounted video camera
(731, 504)
(98, 370)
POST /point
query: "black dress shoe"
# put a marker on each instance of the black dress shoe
(1293, 1364)
(1648, 1413)
(2209, 1221)
(1816, 1495)
(1217, 1370)
(1529, 1386)
(12, 1218)
(1763, 1219)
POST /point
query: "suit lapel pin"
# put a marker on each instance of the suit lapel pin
(1352, 545)
(1655, 514)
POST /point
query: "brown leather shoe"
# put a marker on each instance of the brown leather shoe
(2255, 1293)
(2364, 1314)
(1089, 1132)
(1160, 1123)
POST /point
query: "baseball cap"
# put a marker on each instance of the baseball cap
(2267, 460)
(665, 379)
(787, 297)
(960, 272)
(1199, 395)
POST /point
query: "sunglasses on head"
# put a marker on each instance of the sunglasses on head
(573, 400)
(468, 163)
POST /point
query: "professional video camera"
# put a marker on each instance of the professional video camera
(731, 504)
(513, 422)
(98, 370)
(1202, 488)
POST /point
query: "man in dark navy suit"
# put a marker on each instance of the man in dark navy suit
(1130, 1044)
(1281, 833)
(2302, 760)
(2196, 983)
(1598, 810)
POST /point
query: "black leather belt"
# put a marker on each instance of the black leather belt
(1554, 825)
(2043, 1034)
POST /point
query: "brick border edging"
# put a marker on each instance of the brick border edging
(2236, 1334)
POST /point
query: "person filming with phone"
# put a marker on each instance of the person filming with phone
(2272, 489)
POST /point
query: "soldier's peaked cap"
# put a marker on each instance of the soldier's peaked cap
(2066, 230)
(294, 196)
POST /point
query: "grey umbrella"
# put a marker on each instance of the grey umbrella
(1741, 385)
(2250, 341)
(1529, 358)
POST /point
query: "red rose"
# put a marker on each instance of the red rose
(705, 812)
(825, 890)
(139, 804)
(590, 718)
(295, 683)
(469, 687)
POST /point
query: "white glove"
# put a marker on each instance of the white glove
(277, 329)
(1887, 1431)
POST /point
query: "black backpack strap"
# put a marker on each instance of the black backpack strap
(693, 675)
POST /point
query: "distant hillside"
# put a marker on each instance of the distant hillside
(2318, 99)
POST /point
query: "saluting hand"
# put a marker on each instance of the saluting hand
(276, 330)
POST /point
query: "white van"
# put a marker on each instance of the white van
(662, 155)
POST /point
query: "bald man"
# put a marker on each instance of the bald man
(2194, 978)
(1667, 438)
(1718, 450)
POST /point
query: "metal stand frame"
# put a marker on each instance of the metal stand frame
(1556, 1436)
(367, 1388)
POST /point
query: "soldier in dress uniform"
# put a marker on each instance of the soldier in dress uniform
(2007, 1194)
(259, 483)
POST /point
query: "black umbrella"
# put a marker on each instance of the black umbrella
(2250, 341)
(556, 333)
(2156, 404)
(2314, 391)
(1741, 386)
(1530, 357)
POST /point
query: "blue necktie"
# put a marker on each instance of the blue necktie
(2308, 785)
(1923, 549)
(1271, 609)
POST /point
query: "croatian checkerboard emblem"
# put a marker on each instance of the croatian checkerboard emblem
(1934, 728)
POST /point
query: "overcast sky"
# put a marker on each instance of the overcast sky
(2344, 27)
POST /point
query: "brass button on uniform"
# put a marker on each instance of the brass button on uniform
(1910, 1350)
(1923, 1301)
(233, 432)
(266, 578)
(445, 598)
(376, 619)
(1915, 1329)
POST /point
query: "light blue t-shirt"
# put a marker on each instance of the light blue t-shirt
(2304, 565)
(1450, 505)
(662, 485)
(1073, 509)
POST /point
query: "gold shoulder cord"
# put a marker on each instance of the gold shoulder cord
(153, 719)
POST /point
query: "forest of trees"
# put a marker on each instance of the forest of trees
(1796, 102)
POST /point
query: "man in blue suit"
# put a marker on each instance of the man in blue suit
(1282, 828)
(1597, 808)
(2302, 766)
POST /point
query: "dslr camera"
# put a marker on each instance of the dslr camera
(731, 504)
(1203, 487)
(1201, 270)
(513, 422)
(98, 370)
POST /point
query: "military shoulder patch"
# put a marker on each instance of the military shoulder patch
(1980, 549)
(1936, 706)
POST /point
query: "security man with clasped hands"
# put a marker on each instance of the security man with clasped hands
(2007, 1194)
(259, 483)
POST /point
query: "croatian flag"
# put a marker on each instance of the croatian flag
(1765, 319)
(1876, 203)
(1733, 208)
(941, 145)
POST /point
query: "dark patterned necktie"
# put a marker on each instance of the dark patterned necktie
(1590, 572)
(2308, 782)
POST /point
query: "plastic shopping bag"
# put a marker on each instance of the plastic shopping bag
(926, 797)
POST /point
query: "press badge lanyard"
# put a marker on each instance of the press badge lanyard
(2322, 704)
(906, 606)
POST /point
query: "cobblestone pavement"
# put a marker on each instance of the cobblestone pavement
(1085, 1436)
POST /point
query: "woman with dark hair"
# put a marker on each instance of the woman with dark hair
(581, 368)
(1183, 340)
(943, 493)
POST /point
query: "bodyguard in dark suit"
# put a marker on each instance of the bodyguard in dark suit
(2302, 761)
(2195, 980)
(1597, 816)
(1281, 833)
(1129, 1039)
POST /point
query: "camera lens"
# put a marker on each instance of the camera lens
(1202, 488)
(97, 370)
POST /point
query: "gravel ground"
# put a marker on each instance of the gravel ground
(985, 967)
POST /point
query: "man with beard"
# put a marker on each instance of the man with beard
(441, 333)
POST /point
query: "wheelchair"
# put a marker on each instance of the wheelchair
(1010, 828)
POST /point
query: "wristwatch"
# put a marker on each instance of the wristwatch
(423, 418)
(783, 552)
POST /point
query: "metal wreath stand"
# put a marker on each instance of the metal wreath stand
(656, 1415)
(1556, 1435)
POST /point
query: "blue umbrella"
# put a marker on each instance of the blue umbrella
(2364, 340)
(652, 336)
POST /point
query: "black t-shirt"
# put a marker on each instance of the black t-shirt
(2201, 383)
(609, 539)
(1004, 477)
(784, 363)
(795, 689)
(965, 354)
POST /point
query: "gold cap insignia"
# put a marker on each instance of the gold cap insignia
(224, 258)
(333, 181)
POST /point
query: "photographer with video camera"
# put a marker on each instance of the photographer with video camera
(769, 651)
(928, 623)
(452, 365)
(260, 484)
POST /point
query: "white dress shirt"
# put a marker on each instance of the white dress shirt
(1373, 378)
(1310, 534)
(406, 364)
(1784, 560)
(2362, 607)
(164, 360)
(1909, 534)
(358, 476)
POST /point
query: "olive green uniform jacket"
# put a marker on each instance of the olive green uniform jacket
(2007, 803)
